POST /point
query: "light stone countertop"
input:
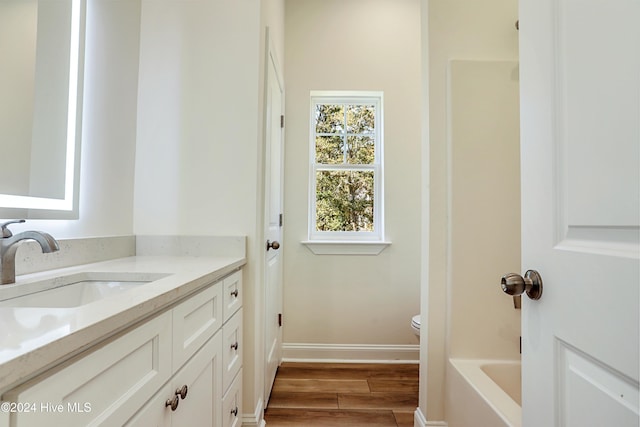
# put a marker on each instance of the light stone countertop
(33, 340)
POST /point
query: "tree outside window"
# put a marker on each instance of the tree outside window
(346, 147)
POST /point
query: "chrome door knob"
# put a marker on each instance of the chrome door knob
(514, 284)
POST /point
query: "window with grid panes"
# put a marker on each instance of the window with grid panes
(346, 202)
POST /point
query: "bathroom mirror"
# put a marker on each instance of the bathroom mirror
(41, 69)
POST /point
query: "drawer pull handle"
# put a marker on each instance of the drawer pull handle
(235, 346)
(234, 412)
(234, 293)
(182, 392)
(173, 403)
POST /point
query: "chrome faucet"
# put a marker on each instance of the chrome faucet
(9, 245)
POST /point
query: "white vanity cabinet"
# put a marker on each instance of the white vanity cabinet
(180, 368)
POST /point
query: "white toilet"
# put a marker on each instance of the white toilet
(415, 325)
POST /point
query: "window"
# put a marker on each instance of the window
(346, 197)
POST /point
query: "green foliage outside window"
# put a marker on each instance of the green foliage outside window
(344, 152)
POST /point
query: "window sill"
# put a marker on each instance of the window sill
(328, 247)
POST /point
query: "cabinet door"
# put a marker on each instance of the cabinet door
(202, 404)
(194, 322)
(203, 377)
(232, 348)
(105, 387)
(155, 413)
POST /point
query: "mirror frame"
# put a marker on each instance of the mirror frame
(13, 206)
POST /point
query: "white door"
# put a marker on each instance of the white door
(273, 222)
(580, 130)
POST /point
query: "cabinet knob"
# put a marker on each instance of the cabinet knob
(234, 412)
(182, 392)
(173, 403)
(235, 345)
(234, 293)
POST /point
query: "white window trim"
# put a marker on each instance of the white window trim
(348, 243)
(344, 247)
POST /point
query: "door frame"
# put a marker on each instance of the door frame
(270, 56)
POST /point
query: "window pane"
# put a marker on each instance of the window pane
(360, 150)
(329, 150)
(329, 118)
(344, 201)
(360, 118)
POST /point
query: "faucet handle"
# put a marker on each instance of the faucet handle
(5, 231)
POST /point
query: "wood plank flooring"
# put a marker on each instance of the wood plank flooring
(343, 394)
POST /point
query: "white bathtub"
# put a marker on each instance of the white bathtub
(483, 393)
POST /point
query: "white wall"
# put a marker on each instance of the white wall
(197, 118)
(354, 45)
(458, 29)
(199, 149)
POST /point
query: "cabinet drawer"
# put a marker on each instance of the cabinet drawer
(104, 387)
(232, 294)
(232, 403)
(194, 322)
(232, 348)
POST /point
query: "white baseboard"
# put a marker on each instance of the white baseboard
(350, 353)
(256, 419)
(419, 420)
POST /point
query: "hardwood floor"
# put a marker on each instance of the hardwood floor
(343, 394)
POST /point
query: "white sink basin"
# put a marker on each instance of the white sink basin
(78, 289)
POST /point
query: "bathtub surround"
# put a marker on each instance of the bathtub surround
(484, 153)
(455, 29)
(484, 242)
(478, 393)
